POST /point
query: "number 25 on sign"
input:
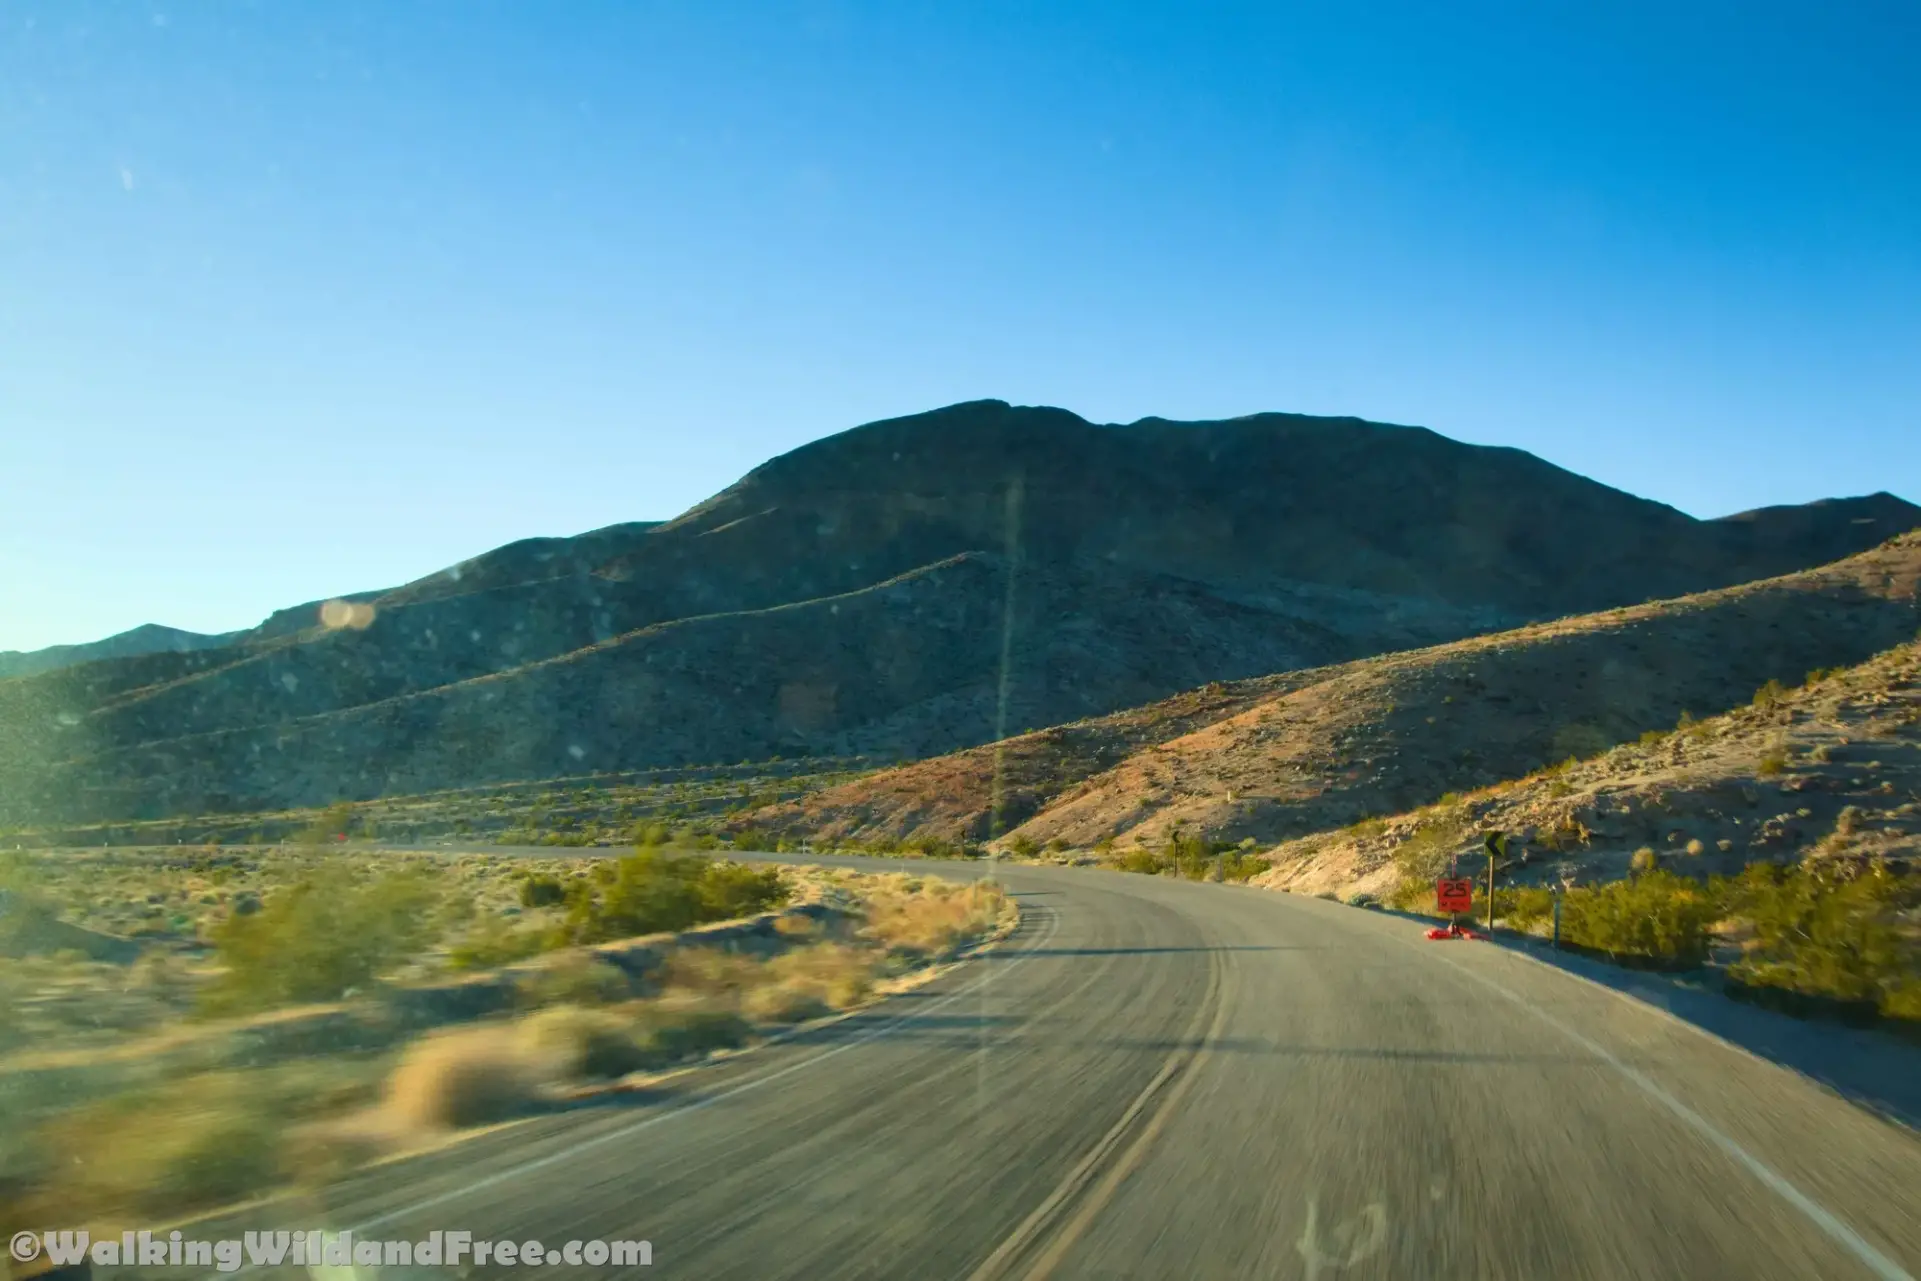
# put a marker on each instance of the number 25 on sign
(1454, 894)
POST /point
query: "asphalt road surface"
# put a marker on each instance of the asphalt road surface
(1161, 1079)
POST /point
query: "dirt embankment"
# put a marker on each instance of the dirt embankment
(1831, 769)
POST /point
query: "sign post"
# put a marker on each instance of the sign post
(1496, 843)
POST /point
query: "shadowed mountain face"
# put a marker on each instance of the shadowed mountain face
(148, 638)
(905, 588)
(1286, 755)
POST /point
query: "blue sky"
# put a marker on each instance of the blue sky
(299, 299)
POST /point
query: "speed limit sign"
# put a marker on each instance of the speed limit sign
(1454, 894)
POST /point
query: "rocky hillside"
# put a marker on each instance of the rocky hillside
(1286, 756)
(1831, 769)
(903, 589)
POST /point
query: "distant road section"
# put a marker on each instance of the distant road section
(1162, 1079)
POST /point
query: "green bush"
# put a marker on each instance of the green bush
(1656, 917)
(1194, 858)
(541, 891)
(729, 890)
(668, 1034)
(651, 891)
(315, 940)
(1830, 931)
(1242, 865)
(493, 943)
(1518, 907)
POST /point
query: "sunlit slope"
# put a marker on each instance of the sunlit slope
(1828, 769)
(1313, 750)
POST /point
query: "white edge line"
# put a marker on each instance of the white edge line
(1650, 1004)
(1878, 1263)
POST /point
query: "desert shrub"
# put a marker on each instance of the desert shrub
(780, 1003)
(936, 920)
(1657, 917)
(1023, 846)
(671, 1030)
(1241, 865)
(315, 940)
(1644, 860)
(1520, 907)
(1366, 828)
(1770, 694)
(575, 977)
(541, 891)
(1831, 931)
(492, 942)
(835, 975)
(652, 891)
(471, 1076)
(712, 972)
(1196, 858)
(927, 845)
(729, 890)
(186, 1144)
(572, 1042)
(1771, 765)
(1565, 833)
(191, 1143)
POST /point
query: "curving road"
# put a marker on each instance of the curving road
(1161, 1079)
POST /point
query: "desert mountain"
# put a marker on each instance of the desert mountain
(906, 588)
(148, 638)
(1288, 755)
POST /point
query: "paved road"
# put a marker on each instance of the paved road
(1159, 1079)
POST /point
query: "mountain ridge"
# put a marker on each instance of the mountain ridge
(1271, 541)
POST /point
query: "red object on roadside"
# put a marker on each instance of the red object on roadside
(1454, 930)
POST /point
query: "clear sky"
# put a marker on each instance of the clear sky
(300, 299)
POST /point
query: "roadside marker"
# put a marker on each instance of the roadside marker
(1453, 894)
